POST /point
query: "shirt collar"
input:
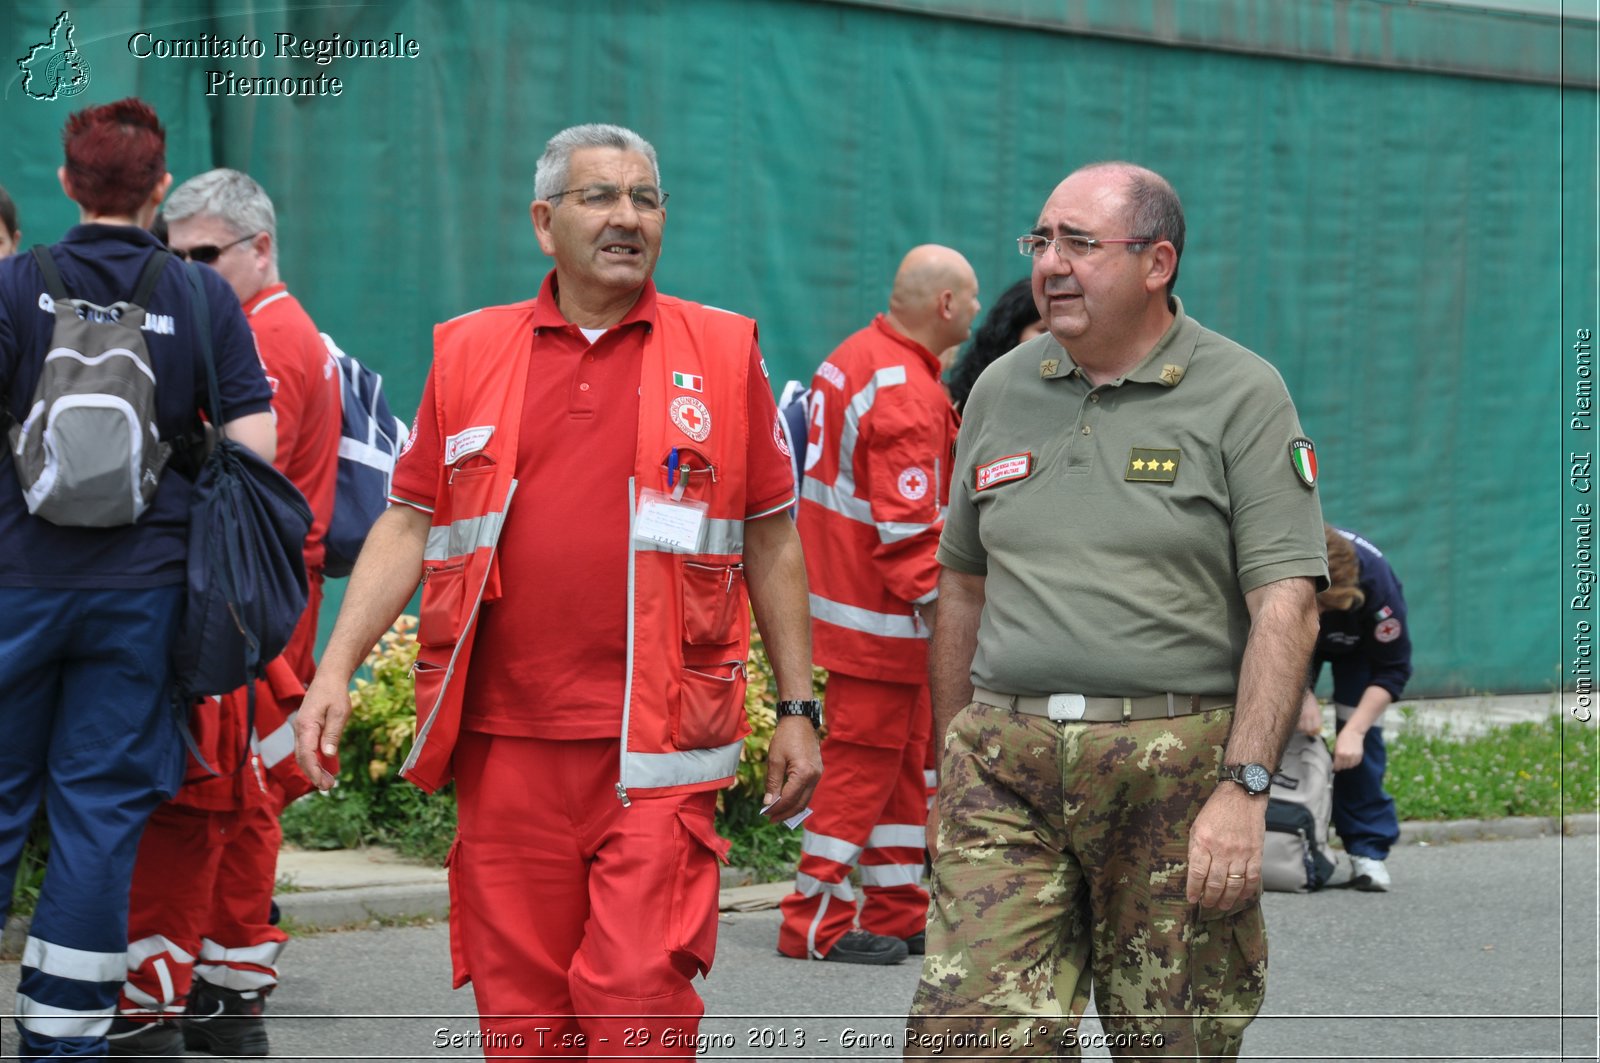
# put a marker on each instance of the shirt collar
(1165, 365)
(91, 232)
(254, 302)
(547, 311)
(931, 360)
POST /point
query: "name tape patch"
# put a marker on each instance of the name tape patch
(467, 441)
(1003, 471)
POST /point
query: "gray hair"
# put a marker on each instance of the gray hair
(1154, 210)
(550, 175)
(232, 197)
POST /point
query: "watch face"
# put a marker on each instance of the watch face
(1256, 779)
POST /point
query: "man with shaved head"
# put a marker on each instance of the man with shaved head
(1130, 562)
(877, 476)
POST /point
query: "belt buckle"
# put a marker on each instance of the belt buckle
(1064, 707)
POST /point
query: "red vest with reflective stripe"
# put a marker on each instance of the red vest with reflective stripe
(689, 629)
(877, 480)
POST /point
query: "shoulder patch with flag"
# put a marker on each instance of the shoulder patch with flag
(688, 381)
(1303, 456)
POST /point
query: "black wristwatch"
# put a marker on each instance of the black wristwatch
(811, 710)
(1255, 779)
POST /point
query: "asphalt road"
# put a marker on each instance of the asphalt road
(1477, 954)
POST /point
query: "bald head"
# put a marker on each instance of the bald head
(935, 297)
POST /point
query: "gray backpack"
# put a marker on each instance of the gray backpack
(1295, 857)
(88, 453)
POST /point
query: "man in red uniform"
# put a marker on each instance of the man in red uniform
(594, 479)
(202, 890)
(877, 478)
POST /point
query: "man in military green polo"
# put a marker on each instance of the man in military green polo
(1127, 608)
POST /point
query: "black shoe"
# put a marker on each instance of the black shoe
(860, 946)
(225, 1022)
(144, 1039)
(917, 944)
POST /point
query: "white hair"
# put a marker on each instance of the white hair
(550, 175)
(232, 197)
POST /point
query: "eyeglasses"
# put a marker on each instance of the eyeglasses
(206, 254)
(1033, 245)
(604, 197)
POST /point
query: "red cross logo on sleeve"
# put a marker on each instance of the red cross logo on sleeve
(913, 483)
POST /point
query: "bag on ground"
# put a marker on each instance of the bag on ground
(369, 445)
(246, 567)
(1296, 857)
(88, 453)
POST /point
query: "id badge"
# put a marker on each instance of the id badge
(676, 523)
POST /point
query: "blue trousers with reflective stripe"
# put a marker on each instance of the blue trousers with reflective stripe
(1363, 812)
(87, 723)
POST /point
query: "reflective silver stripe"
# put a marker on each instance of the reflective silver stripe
(930, 778)
(865, 620)
(897, 531)
(59, 961)
(926, 598)
(47, 1021)
(154, 945)
(279, 744)
(811, 931)
(265, 954)
(722, 537)
(627, 667)
(146, 1002)
(884, 876)
(366, 454)
(810, 886)
(238, 979)
(897, 836)
(830, 498)
(455, 652)
(464, 536)
(681, 768)
(836, 849)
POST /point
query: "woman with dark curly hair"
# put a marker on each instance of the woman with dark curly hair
(1012, 319)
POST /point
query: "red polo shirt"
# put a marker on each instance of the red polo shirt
(550, 655)
(305, 404)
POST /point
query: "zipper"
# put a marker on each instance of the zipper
(627, 683)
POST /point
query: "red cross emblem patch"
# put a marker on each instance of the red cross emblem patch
(691, 417)
(913, 483)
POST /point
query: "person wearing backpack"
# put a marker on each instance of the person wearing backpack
(205, 934)
(88, 613)
(1365, 638)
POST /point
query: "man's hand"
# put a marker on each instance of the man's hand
(318, 729)
(1225, 849)
(1310, 715)
(1347, 748)
(794, 764)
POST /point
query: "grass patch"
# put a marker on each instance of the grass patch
(770, 851)
(1548, 768)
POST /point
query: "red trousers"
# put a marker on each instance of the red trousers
(871, 810)
(202, 892)
(579, 920)
(208, 859)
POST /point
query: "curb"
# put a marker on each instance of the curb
(1430, 832)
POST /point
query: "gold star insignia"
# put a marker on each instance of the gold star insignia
(1171, 374)
(1049, 366)
(1138, 464)
(1167, 466)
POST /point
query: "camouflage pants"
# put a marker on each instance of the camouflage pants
(1063, 852)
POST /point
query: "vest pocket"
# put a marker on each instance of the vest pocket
(444, 604)
(710, 706)
(713, 603)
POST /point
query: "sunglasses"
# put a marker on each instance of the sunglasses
(209, 253)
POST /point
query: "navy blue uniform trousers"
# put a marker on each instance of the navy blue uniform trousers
(90, 726)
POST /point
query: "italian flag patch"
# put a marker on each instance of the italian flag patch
(1303, 456)
(688, 381)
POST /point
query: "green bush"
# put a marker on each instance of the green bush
(373, 805)
(1527, 769)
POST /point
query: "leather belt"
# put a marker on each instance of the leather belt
(1065, 708)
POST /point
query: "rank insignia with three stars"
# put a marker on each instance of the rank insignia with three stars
(1152, 466)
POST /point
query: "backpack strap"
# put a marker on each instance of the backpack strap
(52, 275)
(202, 320)
(149, 276)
